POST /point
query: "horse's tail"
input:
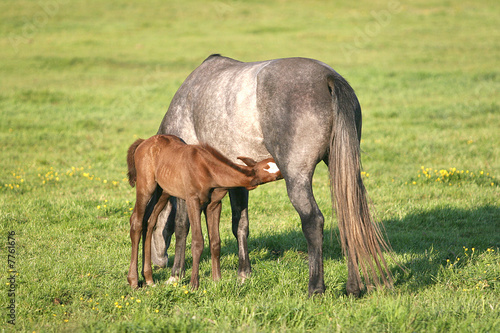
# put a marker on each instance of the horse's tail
(361, 238)
(132, 172)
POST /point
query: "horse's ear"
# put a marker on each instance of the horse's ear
(248, 161)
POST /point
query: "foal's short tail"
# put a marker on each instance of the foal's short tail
(132, 172)
(361, 237)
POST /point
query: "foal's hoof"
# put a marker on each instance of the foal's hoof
(133, 284)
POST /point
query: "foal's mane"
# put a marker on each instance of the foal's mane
(218, 155)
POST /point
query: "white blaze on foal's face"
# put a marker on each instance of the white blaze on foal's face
(273, 168)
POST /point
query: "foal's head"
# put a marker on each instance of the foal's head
(265, 171)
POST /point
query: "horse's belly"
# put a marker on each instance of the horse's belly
(227, 118)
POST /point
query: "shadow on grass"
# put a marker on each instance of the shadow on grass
(424, 239)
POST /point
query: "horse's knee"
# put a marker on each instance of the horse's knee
(135, 224)
(197, 245)
(151, 226)
(312, 226)
(215, 248)
(311, 217)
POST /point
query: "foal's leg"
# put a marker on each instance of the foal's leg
(147, 214)
(148, 272)
(239, 209)
(213, 218)
(142, 198)
(194, 212)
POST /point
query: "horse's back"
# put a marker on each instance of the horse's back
(294, 99)
(216, 104)
(245, 108)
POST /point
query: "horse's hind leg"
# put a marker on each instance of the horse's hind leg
(148, 272)
(239, 209)
(299, 190)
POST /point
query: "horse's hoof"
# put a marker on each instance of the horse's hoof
(242, 277)
(353, 289)
(195, 283)
(172, 280)
(133, 283)
(316, 292)
(353, 292)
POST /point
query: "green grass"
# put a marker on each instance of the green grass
(80, 80)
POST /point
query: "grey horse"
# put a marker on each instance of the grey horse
(300, 112)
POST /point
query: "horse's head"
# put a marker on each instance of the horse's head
(265, 171)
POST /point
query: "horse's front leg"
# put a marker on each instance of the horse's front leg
(148, 271)
(181, 230)
(213, 219)
(239, 209)
(194, 212)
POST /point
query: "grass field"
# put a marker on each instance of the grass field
(80, 80)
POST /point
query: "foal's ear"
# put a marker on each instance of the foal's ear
(248, 161)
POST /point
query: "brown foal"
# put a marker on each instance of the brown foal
(198, 174)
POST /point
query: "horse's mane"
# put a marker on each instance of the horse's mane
(215, 55)
(218, 155)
